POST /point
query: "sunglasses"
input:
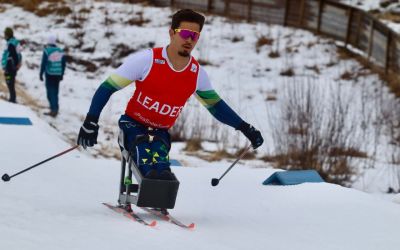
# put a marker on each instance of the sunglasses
(185, 34)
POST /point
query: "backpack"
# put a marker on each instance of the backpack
(6, 53)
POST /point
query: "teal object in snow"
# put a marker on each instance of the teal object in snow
(293, 177)
(15, 121)
(175, 163)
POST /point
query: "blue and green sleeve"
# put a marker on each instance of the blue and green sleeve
(104, 92)
(218, 108)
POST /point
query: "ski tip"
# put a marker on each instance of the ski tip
(153, 223)
(191, 226)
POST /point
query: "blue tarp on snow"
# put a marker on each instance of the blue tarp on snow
(15, 121)
(293, 177)
(175, 163)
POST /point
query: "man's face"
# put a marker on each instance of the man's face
(184, 46)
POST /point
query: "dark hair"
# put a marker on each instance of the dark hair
(8, 33)
(187, 15)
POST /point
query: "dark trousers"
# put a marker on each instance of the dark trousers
(52, 87)
(10, 81)
(154, 155)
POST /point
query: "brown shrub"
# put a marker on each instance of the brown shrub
(138, 21)
(271, 98)
(263, 40)
(314, 68)
(312, 133)
(193, 145)
(236, 39)
(73, 62)
(350, 152)
(250, 155)
(204, 62)
(53, 10)
(274, 54)
(347, 76)
(288, 72)
(218, 155)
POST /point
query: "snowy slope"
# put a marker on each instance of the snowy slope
(249, 79)
(58, 205)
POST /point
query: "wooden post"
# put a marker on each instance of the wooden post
(360, 16)
(209, 6)
(285, 17)
(371, 39)
(388, 47)
(302, 10)
(249, 7)
(349, 25)
(321, 6)
(226, 10)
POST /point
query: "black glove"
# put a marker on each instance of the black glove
(88, 133)
(252, 134)
(41, 78)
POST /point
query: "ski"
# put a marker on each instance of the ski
(130, 214)
(168, 217)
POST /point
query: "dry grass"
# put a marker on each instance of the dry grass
(298, 131)
(74, 61)
(138, 21)
(193, 145)
(311, 136)
(392, 17)
(391, 78)
(274, 54)
(28, 5)
(314, 68)
(271, 98)
(287, 72)
(331, 64)
(393, 81)
(349, 152)
(204, 62)
(263, 40)
(236, 39)
(56, 7)
(250, 155)
(22, 96)
(347, 75)
(53, 10)
(217, 155)
(339, 172)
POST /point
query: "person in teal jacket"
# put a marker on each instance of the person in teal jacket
(53, 67)
(11, 62)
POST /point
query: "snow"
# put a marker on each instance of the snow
(243, 76)
(58, 205)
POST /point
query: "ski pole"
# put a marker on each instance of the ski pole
(215, 181)
(6, 177)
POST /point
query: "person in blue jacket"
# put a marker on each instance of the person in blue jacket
(53, 67)
(11, 62)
